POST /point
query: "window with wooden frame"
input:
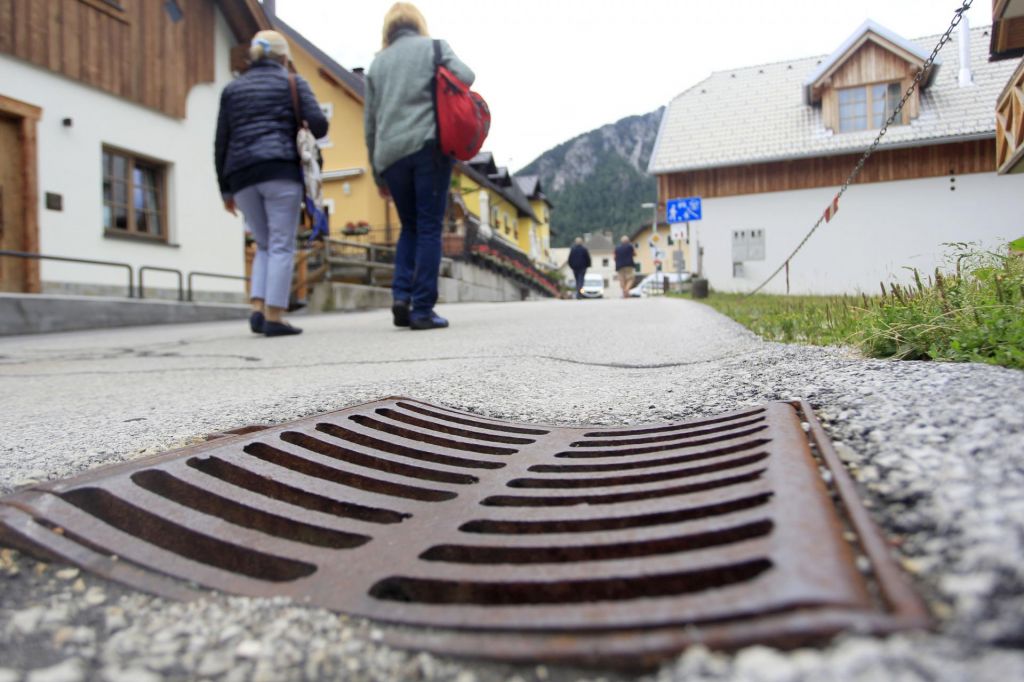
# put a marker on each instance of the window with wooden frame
(134, 196)
(867, 106)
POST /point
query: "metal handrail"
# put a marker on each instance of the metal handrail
(210, 274)
(86, 261)
(154, 268)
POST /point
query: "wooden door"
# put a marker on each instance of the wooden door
(12, 209)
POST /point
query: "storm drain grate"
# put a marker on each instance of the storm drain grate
(474, 536)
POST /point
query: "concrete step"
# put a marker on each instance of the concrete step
(41, 313)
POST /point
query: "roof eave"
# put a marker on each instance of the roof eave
(927, 142)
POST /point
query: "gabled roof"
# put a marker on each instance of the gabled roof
(484, 163)
(757, 114)
(531, 187)
(880, 35)
(511, 192)
(348, 80)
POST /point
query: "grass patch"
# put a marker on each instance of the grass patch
(972, 311)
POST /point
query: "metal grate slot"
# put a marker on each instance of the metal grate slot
(371, 462)
(695, 424)
(163, 484)
(685, 436)
(301, 465)
(468, 554)
(713, 453)
(176, 538)
(627, 452)
(445, 415)
(566, 592)
(604, 524)
(615, 498)
(418, 437)
(404, 450)
(500, 540)
(268, 487)
(451, 430)
(638, 479)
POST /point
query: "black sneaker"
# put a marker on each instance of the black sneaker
(400, 313)
(256, 322)
(432, 321)
(279, 329)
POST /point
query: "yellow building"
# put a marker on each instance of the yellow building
(645, 256)
(535, 233)
(491, 194)
(353, 204)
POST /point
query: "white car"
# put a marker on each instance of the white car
(593, 286)
(653, 284)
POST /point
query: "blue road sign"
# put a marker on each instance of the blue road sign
(683, 210)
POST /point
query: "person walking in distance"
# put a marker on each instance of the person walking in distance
(259, 172)
(625, 265)
(401, 136)
(579, 261)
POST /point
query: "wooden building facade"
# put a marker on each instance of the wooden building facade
(111, 107)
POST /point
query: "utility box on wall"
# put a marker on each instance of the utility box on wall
(746, 245)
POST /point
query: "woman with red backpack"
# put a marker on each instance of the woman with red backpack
(402, 138)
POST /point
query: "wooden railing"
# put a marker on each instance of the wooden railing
(1010, 125)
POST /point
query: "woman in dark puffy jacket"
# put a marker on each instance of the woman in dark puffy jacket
(259, 173)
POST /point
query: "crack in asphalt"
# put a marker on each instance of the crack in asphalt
(350, 363)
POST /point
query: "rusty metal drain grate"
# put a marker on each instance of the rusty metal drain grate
(474, 536)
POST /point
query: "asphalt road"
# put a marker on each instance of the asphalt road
(936, 448)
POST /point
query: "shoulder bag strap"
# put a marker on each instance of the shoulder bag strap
(295, 99)
(433, 91)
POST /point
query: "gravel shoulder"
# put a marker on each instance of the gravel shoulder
(935, 448)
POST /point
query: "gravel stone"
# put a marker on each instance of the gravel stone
(71, 670)
(935, 449)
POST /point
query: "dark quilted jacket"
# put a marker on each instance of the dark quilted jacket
(257, 124)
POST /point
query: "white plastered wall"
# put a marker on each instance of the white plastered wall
(881, 230)
(205, 237)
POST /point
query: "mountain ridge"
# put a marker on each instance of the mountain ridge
(598, 179)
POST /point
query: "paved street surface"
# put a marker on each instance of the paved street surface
(938, 450)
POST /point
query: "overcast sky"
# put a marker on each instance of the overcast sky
(552, 69)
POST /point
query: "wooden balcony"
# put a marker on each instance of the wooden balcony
(1010, 125)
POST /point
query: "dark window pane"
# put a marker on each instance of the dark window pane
(120, 217)
(141, 222)
(120, 193)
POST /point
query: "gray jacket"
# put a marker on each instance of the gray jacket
(399, 112)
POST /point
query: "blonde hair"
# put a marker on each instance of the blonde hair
(268, 45)
(402, 15)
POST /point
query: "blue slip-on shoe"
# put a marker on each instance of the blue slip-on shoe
(279, 329)
(256, 322)
(431, 321)
(400, 313)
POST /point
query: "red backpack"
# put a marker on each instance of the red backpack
(463, 118)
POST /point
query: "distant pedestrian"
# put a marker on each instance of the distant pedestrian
(259, 173)
(401, 135)
(579, 261)
(625, 265)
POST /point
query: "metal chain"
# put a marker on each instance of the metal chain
(957, 16)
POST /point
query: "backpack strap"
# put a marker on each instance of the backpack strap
(437, 53)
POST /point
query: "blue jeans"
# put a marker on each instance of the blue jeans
(578, 274)
(419, 185)
(271, 211)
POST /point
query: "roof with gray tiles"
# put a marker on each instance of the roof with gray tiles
(757, 114)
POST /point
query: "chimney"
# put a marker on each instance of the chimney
(966, 78)
(270, 8)
(359, 71)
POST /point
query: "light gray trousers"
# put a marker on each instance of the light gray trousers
(271, 212)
